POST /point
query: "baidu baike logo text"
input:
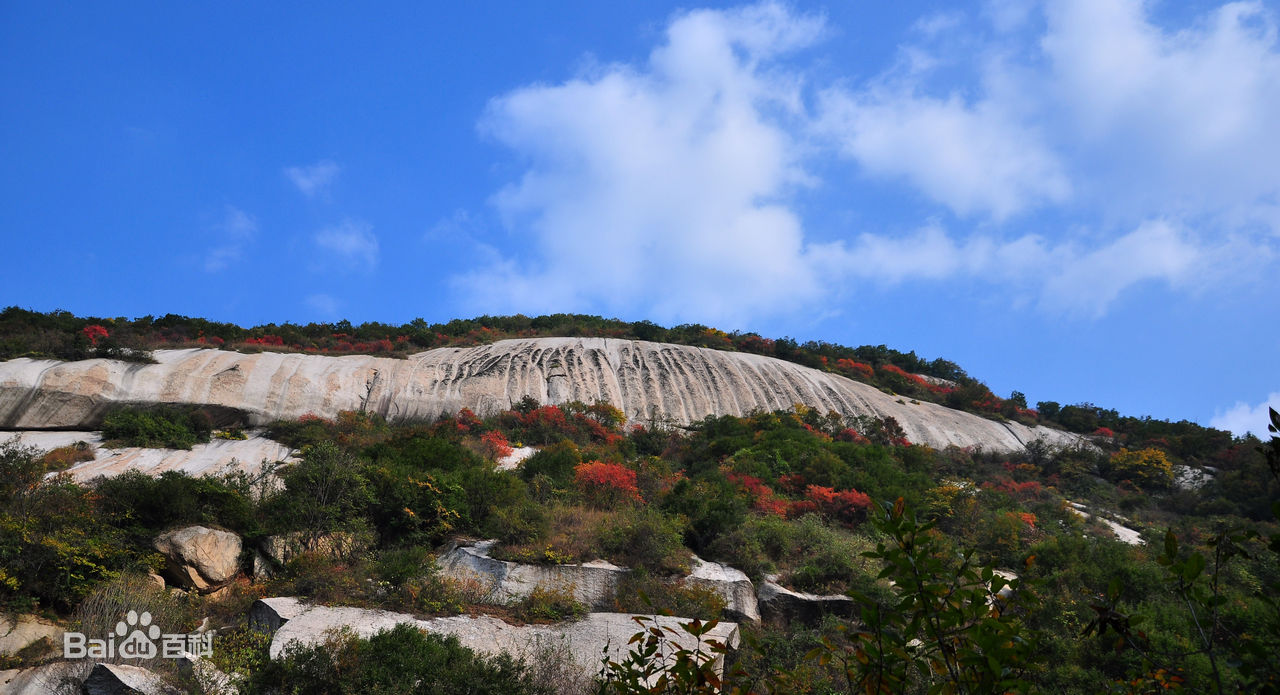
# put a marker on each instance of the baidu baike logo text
(136, 638)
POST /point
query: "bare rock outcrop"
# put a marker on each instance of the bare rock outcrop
(200, 558)
(645, 380)
(584, 641)
(780, 604)
(594, 584)
(733, 585)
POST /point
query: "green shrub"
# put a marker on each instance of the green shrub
(324, 493)
(646, 538)
(550, 605)
(163, 427)
(55, 546)
(400, 660)
(144, 506)
(641, 592)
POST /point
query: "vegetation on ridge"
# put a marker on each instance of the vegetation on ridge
(62, 335)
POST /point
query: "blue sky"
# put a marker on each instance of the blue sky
(1079, 200)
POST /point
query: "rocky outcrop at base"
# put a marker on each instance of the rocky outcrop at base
(645, 380)
(594, 584)
(779, 604)
(584, 641)
(200, 558)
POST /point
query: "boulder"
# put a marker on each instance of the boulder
(733, 585)
(18, 632)
(584, 641)
(200, 558)
(780, 604)
(593, 584)
(268, 614)
(120, 679)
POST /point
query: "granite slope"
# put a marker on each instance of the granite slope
(647, 381)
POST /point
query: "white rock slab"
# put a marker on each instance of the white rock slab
(216, 457)
(1124, 534)
(583, 640)
(517, 457)
(643, 379)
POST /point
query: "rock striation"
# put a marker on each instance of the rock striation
(647, 381)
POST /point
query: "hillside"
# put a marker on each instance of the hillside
(513, 507)
(646, 381)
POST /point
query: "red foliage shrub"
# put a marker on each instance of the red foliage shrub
(1104, 432)
(849, 434)
(606, 483)
(855, 368)
(94, 333)
(847, 506)
(494, 446)
(762, 497)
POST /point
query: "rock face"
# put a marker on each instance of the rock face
(780, 604)
(200, 558)
(733, 585)
(645, 380)
(583, 640)
(594, 584)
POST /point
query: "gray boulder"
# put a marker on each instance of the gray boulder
(200, 558)
(594, 584)
(119, 679)
(733, 585)
(780, 604)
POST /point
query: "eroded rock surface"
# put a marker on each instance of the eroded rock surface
(200, 558)
(645, 380)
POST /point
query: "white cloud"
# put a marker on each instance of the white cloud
(350, 245)
(971, 157)
(1090, 282)
(236, 229)
(1242, 417)
(663, 187)
(1103, 153)
(312, 180)
(1167, 121)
